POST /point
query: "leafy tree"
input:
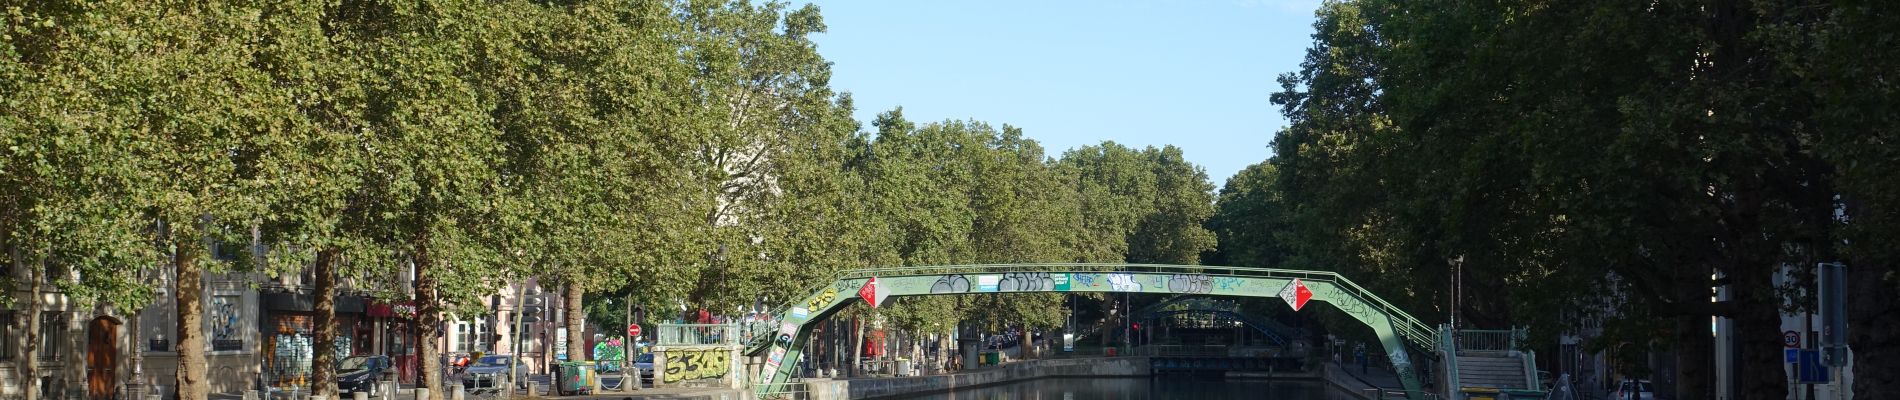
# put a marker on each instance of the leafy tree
(70, 213)
(1247, 218)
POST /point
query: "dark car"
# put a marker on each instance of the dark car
(361, 373)
(494, 372)
(645, 364)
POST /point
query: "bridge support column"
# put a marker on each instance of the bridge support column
(1401, 361)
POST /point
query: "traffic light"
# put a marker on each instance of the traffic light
(531, 309)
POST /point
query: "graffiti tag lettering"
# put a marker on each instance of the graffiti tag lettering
(1026, 282)
(951, 284)
(1084, 280)
(1228, 283)
(1123, 283)
(697, 364)
(1181, 283)
(823, 299)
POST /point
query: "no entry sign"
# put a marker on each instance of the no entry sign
(633, 330)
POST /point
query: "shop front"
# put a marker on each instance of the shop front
(394, 324)
(289, 338)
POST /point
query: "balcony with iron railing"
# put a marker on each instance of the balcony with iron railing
(697, 335)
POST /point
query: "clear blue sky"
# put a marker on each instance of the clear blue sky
(1191, 73)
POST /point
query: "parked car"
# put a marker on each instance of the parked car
(493, 372)
(645, 364)
(361, 373)
(1635, 389)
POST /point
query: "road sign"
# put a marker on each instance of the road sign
(873, 293)
(1296, 294)
(633, 330)
(1791, 339)
(1812, 371)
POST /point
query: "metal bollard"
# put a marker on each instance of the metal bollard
(422, 393)
(457, 392)
(534, 388)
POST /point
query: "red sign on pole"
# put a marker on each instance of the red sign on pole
(633, 330)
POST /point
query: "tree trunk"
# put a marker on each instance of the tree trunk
(30, 354)
(1758, 332)
(1695, 347)
(1873, 300)
(857, 350)
(428, 314)
(1108, 320)
(1028, 344)
(323, 368)
(576, 338)
(191, 339)
(943, 351)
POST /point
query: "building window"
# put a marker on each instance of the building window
(6, 335)
(225, 325)
(471, 336)
(51, 335)
(288, 352)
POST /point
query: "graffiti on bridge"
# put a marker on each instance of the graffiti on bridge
(1123, 283)
(697, 364)
(823, 299)
(951, 284)
(1186, 283)
(1228, 283)
(1026, 282)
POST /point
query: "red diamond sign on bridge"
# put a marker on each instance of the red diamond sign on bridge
(1296, 294)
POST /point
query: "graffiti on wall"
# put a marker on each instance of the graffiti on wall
(951, 284)
(685, 365)
(1190, 283)
(1123, 283)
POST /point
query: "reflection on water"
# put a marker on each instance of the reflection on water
(1171, 387)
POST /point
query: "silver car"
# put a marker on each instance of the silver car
(1635, 389)
(493, 372)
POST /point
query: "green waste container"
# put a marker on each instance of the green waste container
(572, 378)
(992, 358)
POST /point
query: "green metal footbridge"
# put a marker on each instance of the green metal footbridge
(1396, 329)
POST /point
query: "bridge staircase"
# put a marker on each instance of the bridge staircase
(1485, 363)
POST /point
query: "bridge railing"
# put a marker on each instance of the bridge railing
(1487, 340)
(1413, 330)
(696, 334)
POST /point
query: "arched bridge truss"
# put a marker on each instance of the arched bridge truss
(1395, 329)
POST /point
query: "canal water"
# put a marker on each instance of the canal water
(1170, 387)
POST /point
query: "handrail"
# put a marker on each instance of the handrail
(1448, 337)
(1406, 325)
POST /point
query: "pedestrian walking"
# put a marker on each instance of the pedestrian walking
(1360, 354)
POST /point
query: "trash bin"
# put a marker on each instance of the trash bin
(572, 378)
(903, 368)
(992, 358)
